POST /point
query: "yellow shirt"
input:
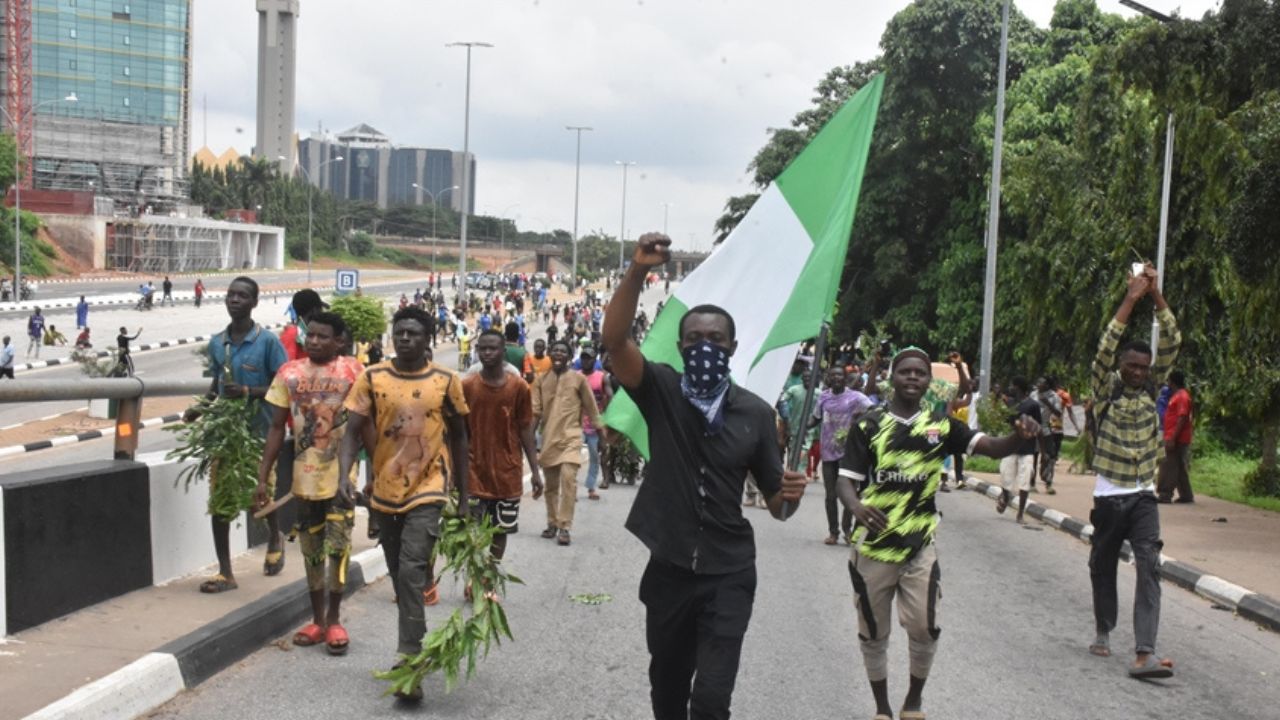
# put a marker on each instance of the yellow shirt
(314, 395)
(409, 412)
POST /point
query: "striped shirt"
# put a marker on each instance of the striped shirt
(903, 460)
(1127, 438)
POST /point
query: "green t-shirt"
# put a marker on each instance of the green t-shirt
(515, 356)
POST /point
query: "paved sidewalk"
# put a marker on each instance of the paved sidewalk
(1230, 541)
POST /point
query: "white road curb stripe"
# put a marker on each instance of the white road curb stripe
(1215, 588)
(133, 690)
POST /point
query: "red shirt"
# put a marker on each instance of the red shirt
(289, 338)
(1179, 407)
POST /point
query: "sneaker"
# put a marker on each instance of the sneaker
(562, 538)
(550, 532)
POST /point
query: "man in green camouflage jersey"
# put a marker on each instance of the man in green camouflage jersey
(899, 450)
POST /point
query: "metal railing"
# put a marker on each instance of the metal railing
(128, 392)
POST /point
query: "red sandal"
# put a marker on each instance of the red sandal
(310, 634)
(336, 639)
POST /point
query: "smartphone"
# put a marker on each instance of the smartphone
(1139, 268)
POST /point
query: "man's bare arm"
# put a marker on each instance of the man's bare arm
(628, 364)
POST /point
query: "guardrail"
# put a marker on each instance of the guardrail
(127, 391)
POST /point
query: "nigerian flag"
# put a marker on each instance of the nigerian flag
(778, 272)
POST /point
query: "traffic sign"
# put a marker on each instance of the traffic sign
(347, 281)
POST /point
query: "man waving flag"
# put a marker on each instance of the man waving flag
(778, 272)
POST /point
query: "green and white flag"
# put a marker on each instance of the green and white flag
(779, 271)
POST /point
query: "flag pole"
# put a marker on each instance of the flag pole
(797, 437)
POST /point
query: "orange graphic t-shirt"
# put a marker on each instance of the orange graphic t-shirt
(409, 412)
(314, 395)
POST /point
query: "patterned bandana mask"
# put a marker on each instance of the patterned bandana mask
(706, 381)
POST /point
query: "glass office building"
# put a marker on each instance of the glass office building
(128, 64)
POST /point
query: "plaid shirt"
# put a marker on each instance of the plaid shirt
(1127, 442)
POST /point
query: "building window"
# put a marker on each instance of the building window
(126, 102)
(126, 71)
(73, 33)
(126, 40)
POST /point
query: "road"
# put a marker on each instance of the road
(1016, 621)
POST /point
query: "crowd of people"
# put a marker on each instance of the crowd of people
(881, 432)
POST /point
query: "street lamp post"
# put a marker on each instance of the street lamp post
(502, 225)
(435, 210)
(666, 213)
(466, 162)
(17, 192)
(577, 180)
(993, 218)
(310, 192)
(622, 231)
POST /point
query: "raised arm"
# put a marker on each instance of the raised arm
(1170, 336)
(628, 364)
(1104, 362)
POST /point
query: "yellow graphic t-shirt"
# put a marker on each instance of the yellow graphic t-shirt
(409, 412)
(314, 395)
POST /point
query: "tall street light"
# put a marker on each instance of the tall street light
(466, 161)
(17, 192)
(993, 216)
(666, 213)
(435, 210)
(502, 225)
(310, 192)
(622, 232)
(1168, 177)
(577, 181)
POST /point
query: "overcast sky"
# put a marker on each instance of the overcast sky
(685, 88)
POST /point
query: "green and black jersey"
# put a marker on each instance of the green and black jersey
(902, 460)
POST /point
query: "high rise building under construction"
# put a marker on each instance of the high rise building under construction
(127, 64)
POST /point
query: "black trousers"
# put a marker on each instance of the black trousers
(830, 473)
(1136, 518)
(694, 625)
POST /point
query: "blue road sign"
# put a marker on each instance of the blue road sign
(347, 281)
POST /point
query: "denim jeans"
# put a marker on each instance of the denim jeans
(593, 459)
(1136, 518)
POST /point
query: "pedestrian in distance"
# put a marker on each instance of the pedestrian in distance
(835, 411)
(167, 287)
(1051, 429)
(1016, 469)
(53, 338)
(898, 450)
(82, 313)
(705, 435)
(594, 373)
(500, 423)
(35, 332)
(1175, 466)
(7, 354)
(418, 412)
(1127, 449)
(311, 391)
(199, 291)
(561, 400)
(245, 357)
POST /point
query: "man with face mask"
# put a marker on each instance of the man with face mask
(705, 435)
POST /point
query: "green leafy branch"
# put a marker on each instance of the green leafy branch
(224, 447)
(464, 544)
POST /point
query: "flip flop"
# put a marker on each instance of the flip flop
(336, 639)
(911, 715)
(310, 634)
(1154, 669)
(218, 583)
(1002, 504)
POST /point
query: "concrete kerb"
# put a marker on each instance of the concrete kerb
(39, 364)
(62, 304)
(81, 437)
(1261, 609)
(159, 676)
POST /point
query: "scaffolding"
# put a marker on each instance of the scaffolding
(147, 247)
(138, 166)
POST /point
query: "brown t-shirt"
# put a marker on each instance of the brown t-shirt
(497, 416)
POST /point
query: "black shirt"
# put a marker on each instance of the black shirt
(1031, 408)
(688, 511)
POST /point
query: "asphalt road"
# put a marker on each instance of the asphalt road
(1016, 621)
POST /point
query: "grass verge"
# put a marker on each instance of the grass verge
(1218, 474)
